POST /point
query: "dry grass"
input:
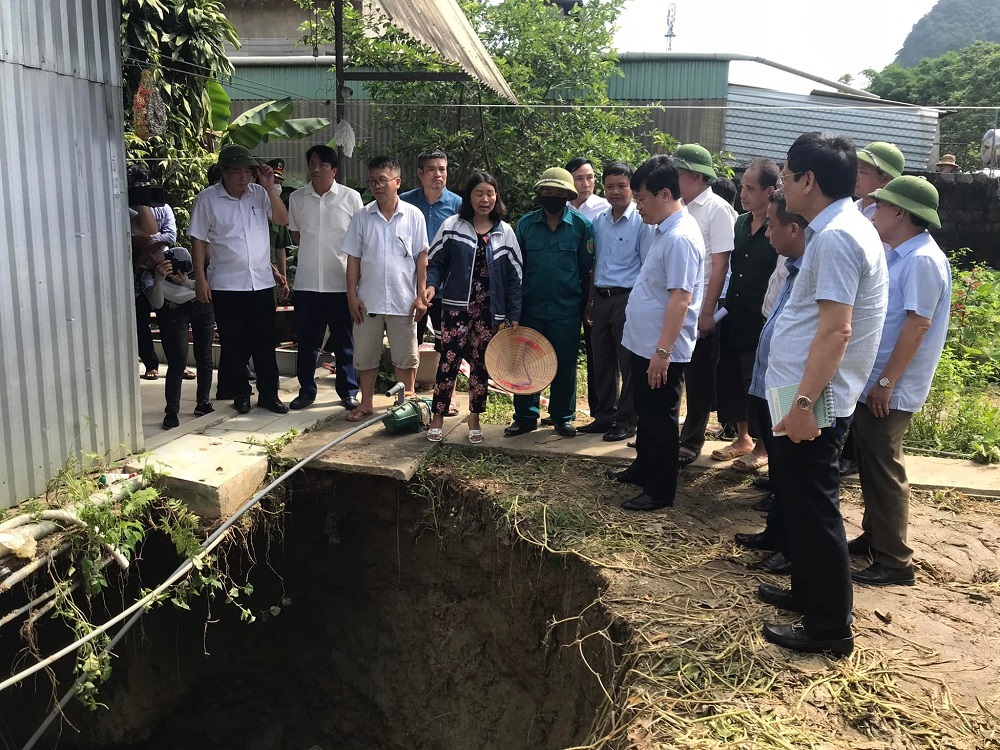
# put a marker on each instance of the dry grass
(694, 671)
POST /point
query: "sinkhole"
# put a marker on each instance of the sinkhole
(388, 617)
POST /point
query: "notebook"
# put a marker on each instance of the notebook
(780, 401)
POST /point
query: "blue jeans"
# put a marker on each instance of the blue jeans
(174, 324)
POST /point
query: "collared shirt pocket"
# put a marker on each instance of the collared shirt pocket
(404, 245)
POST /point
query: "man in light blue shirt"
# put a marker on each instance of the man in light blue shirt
(436, 202)
(616, 269)
(828, 333)
(661, 328)
(914, 334)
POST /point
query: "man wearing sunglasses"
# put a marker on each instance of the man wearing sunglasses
(386, 248)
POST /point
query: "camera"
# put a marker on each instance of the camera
(180, 266)
(147, 195)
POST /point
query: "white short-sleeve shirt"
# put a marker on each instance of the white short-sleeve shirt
(591, 208)
(717, 221)
(388, 251)
(844, 262)
(674, 261)
(322, 222)
(239, 234)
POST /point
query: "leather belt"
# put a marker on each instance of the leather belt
(611, 291)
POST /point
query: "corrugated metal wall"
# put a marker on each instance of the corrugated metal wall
(67, 327)
(760, 122)
(656, 80)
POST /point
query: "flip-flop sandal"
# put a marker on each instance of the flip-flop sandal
(728, 453)
(749, 463)
(685, 458)
(453, 410)
(357, 415)
(476, 437)
(150, 375)
(188, 375)
(435, 434)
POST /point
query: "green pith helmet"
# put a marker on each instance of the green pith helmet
(884, 156)
(234, 155)
(915, 195)
(695, 158)
(557, 177)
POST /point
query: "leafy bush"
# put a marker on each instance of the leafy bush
(962, 413)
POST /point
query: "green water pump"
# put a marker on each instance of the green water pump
(407, 415)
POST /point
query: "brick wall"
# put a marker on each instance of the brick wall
(970, 215)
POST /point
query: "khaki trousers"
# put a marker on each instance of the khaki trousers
(878, 449)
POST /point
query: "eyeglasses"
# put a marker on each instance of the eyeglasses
(639, 201)
(786, 176)
(380, 183)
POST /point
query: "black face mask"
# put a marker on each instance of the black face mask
(553, 204)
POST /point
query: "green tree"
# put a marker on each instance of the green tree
(950, 25)
(556, 65)
(966, 78)
(170, 48)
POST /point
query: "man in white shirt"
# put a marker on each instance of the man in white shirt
(826, 336)
(386, 245)
(913, 337)
(716, 218)
(660, 331)
(318, 217)
(229, 226)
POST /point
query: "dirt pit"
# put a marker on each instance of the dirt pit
(505, 601)
(398, 622)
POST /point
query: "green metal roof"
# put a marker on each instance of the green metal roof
(642, 80)
(665, 80)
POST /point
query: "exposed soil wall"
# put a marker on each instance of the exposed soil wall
(410, 625)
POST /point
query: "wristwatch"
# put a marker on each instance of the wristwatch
(663, 353)
(803, 402)
(885, 382)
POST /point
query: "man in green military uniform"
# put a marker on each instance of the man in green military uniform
(558, 248)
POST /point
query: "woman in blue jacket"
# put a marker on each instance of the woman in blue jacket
(474, 266)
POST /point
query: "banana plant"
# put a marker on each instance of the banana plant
(268, 121)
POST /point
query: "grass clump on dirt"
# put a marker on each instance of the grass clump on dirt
(694, 671)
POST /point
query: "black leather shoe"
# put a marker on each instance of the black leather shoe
(518, 428)
(776, 563)
(273, 405)
(764, 505)
(642, 501)
(548, 422)
(348, 403)
(760, 540)
(301, 402)
(242, 403)
(763, 483)
(616, 433)
(879, 574)
(860, 546)
(796, 639)
(566, 429)
(624, 477)
(778, 597)
(596, 428)
(170, 421)
(848, 467)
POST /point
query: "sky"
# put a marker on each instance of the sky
(823, 37)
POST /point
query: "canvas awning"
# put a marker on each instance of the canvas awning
(442, 26)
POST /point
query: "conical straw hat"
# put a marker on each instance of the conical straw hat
(521, 360)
